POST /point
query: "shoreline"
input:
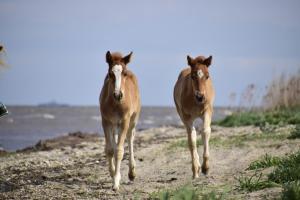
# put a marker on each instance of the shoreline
(68, 139)
(25, 126)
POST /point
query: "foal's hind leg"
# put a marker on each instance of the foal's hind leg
(109, 146)
(192, 142)
(131, 173)
(205, 138)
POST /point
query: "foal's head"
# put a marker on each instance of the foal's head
(117, 71)
(199, 76)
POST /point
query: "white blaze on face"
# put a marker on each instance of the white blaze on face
(200, 73)
(117, 70)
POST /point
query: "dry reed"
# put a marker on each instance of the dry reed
(283, 92)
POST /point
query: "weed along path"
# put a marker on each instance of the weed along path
(78, 170)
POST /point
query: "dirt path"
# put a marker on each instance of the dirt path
(163, 162)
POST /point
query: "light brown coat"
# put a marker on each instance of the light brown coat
(120, 108)
(194, 97)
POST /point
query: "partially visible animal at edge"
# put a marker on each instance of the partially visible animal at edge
(2, 63)
(120, 108)
(194, 96)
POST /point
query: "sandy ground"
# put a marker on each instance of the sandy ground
(70, 168)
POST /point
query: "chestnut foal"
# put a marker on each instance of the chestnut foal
(194, 96)
(120, 108)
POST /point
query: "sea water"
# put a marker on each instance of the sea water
(25, 125)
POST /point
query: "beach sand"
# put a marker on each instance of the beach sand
(74, 166)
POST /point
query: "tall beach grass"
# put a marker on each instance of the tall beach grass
(280, 104)
(283, 92)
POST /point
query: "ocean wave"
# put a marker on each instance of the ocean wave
(40, 115)
(168, 117)
(96, 118)
(48, 116)
(147, 121)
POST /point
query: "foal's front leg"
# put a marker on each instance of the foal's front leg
(131, 173)
(119, 152)
(192, 142)
(205, 138)
(109, 146)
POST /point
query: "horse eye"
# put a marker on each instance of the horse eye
(207, 76)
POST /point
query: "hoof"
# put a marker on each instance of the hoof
(131, 176)
(116, 188)
(205, 170)
(195, 176)
(196, 172)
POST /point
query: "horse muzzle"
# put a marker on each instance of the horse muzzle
(200, 98)
(118, 95)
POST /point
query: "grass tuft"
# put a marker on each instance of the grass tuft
(295, 133)
(254, 183)
(291, 191)
(266, 161)
(288, 170)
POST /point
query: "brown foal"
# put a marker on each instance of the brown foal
(194, 96)
(120, 108)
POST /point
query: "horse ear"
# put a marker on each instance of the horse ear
(127, 58)
(207, 61)
(190, 60)
(108, 57)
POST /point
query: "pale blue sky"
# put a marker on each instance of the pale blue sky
(56, 49)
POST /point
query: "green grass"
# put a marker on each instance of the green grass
(265, 162)
(260, 118)
(182, 193)
(288, 170)
(183, 143)
(254, 183)
(185, 192)
(240, 140)
(213, 196)
(286, 174)
(190, 192)
(291, 191)
(295, 133)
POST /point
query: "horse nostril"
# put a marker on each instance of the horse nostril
(200, 98)
(118, 95)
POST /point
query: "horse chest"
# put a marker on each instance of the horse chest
(194, 112)
(193, 109)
